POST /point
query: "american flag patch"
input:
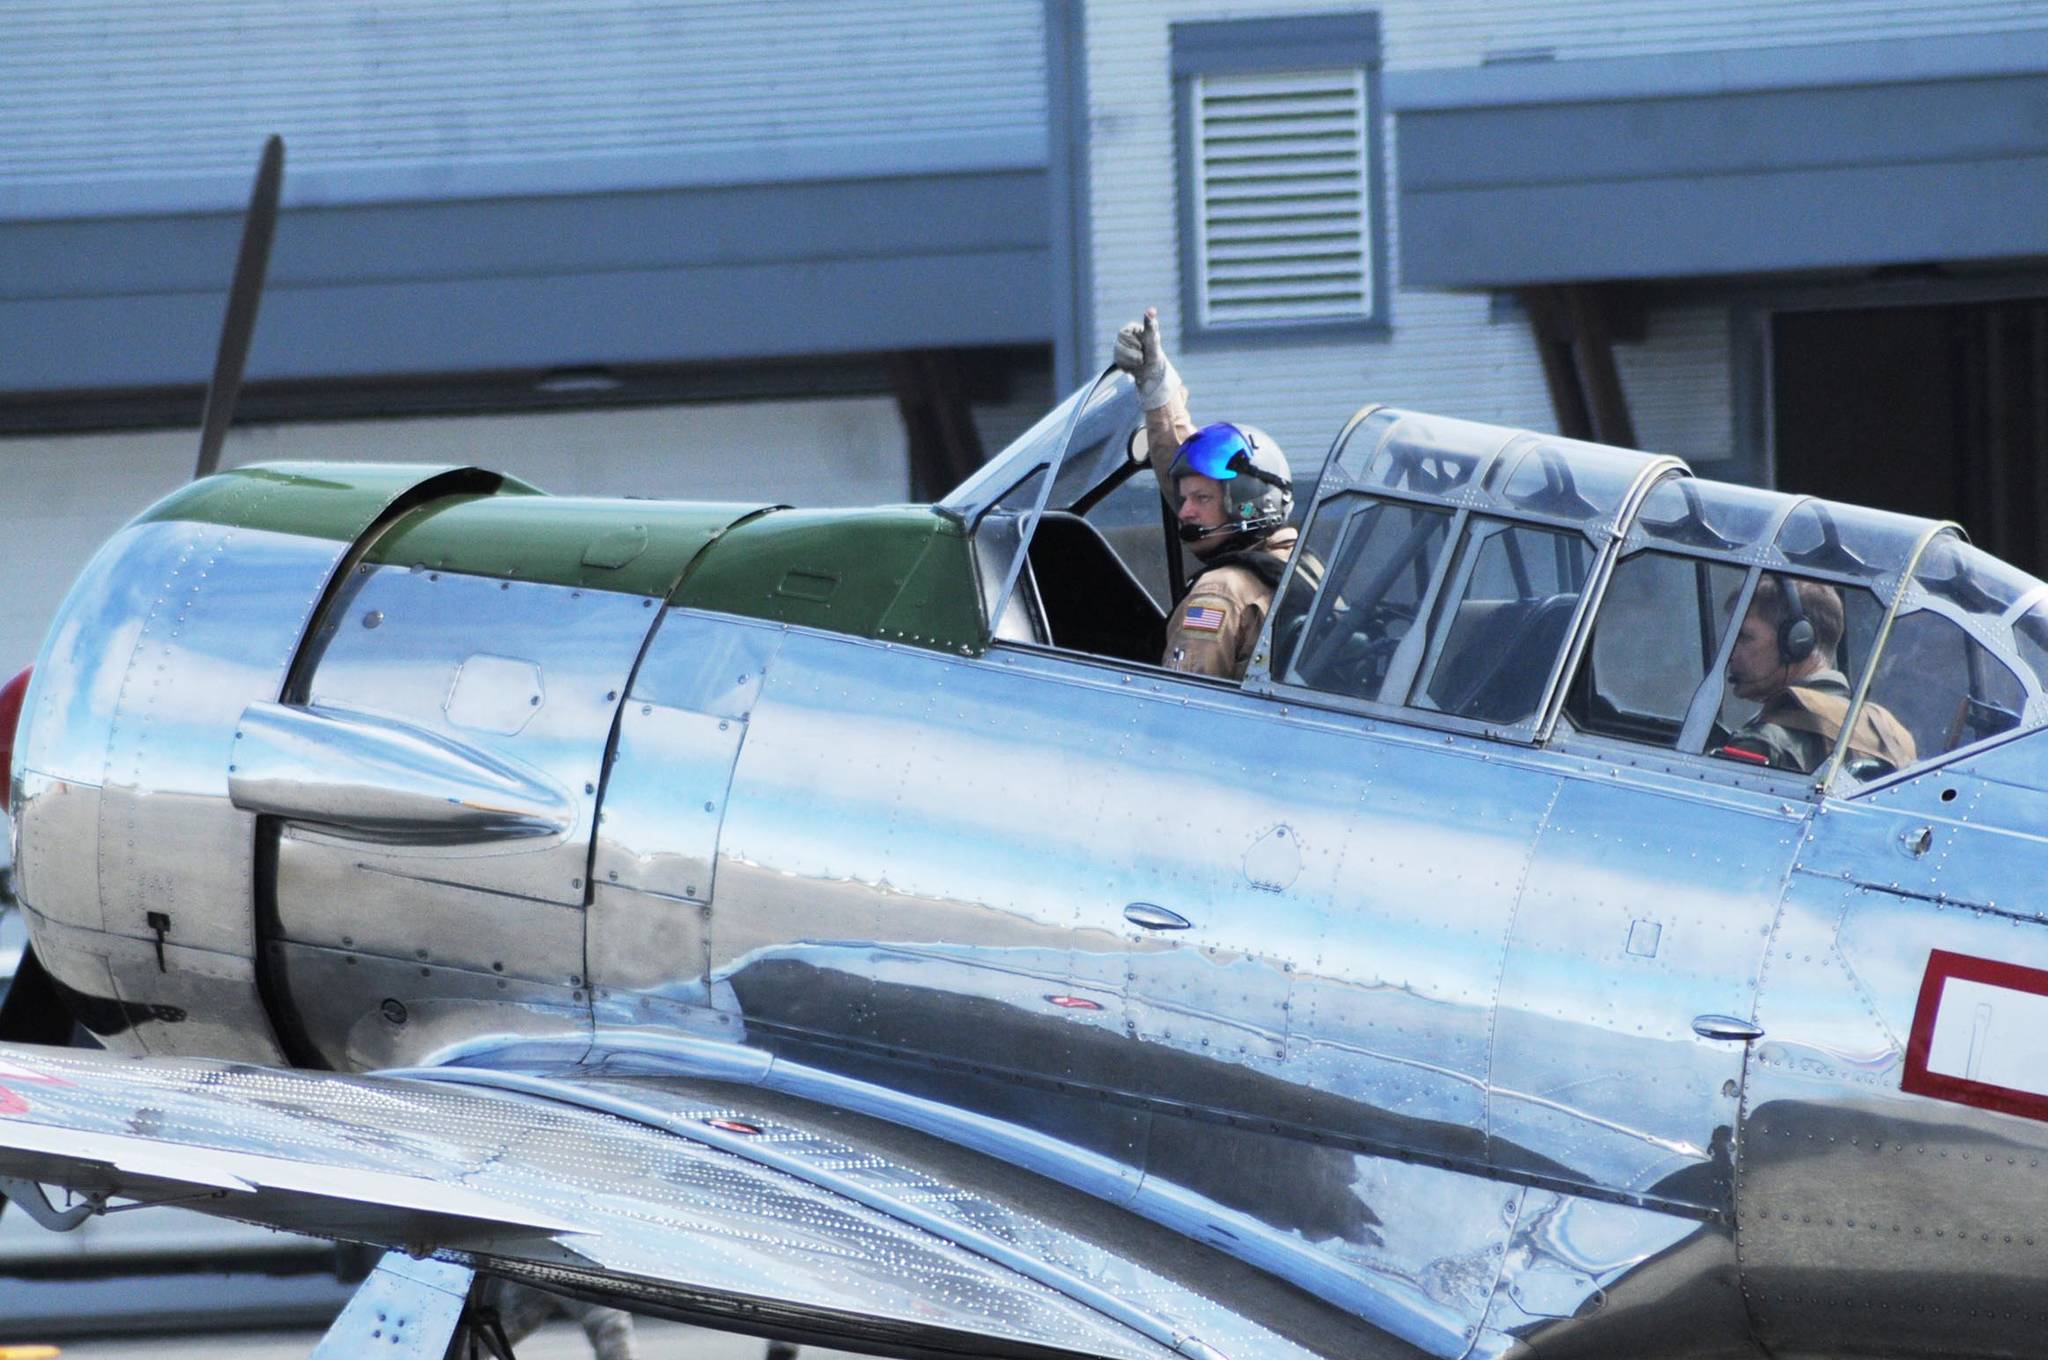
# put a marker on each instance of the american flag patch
(1203, 617)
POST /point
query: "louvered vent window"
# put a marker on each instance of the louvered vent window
(1281, 209)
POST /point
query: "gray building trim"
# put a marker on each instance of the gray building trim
(1277, 43)
(549, 281)
(1294, 42)
(1381, 323)
(565, 176)
(1856, 156)
(1881, 62)
(1069, 186)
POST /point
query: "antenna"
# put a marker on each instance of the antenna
(251, 263)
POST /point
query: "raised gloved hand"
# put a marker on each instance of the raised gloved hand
(1140, 353)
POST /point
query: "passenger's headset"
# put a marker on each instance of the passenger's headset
(1796, 638)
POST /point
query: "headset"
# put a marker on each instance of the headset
(1796, 638)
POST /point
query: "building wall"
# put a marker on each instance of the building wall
(481, 187)
(475, 187)
(103, 106)
(1455, 353)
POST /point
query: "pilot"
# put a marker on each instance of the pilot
(1233, 491)
(1784, 660)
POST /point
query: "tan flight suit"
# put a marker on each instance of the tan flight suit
(1215, 627)
(1798, 726)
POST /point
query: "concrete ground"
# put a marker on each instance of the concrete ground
(556, 1341)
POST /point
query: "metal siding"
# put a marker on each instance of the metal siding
(1066, 60)
(1679, 385)
(182, 87)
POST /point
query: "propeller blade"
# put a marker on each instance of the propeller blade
(251, 262)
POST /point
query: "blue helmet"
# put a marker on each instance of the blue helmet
(1258, 487)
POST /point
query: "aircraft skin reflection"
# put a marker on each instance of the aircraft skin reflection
(1497, 1037)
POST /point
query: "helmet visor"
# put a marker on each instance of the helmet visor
(1215, 451)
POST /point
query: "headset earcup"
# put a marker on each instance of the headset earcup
(1795, 640)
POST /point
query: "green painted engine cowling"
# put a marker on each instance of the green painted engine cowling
(894, 573)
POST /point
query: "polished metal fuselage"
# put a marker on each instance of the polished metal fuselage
(1403, 1016)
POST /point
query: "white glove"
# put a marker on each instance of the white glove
(1140, 353)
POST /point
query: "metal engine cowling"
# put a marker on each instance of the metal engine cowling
(136, 871)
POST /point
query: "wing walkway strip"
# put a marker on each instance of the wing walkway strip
(1152, 1327)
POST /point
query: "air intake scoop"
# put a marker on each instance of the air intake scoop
(375, 779)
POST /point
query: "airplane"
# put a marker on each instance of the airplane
(836, 925)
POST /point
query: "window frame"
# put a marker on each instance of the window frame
(1454, 591)
(1911, 598)
(1278, 45)
(1897, 595)
(1351, 506)
(1450, 563)
(1497, 461)
(1688, 749)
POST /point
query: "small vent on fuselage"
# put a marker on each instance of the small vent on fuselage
(1281, 218)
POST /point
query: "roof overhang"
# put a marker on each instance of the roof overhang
(567, 264)
(1721, 163)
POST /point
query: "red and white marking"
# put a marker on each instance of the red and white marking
(13, 1071)
(1980, 1035)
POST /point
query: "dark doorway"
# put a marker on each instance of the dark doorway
(1936, 410)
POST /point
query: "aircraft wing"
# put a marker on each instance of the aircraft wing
(729, 1206)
